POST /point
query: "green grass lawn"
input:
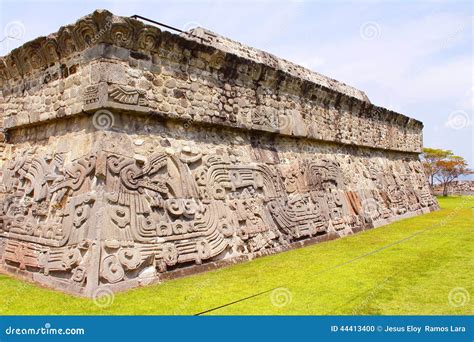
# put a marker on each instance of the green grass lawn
(408, 267)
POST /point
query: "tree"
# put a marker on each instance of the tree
(450, 169)
(444, 167)
(430, 159)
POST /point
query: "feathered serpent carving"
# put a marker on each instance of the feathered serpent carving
(128, 95)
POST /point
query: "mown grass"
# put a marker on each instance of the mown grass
(405, 268)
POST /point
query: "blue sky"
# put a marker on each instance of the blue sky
(413, 57)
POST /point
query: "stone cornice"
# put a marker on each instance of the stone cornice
(98, 27)
(103, 27)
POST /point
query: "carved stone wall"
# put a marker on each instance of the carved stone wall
(133, 155)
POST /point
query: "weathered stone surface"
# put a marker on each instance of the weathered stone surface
(132, 155)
